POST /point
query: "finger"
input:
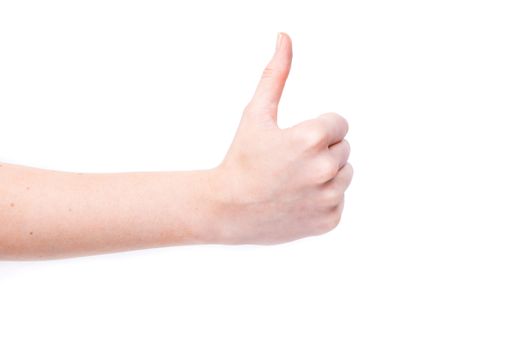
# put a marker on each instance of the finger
(335, 126)
(270, 88)
(338, 209)
(343, 179)
(340, 152)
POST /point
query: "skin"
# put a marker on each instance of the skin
(274, 185)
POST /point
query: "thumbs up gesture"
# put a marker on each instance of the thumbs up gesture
(278, 185)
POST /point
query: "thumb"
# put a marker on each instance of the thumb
(270, 88)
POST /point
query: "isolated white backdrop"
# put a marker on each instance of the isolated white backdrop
(430, 251)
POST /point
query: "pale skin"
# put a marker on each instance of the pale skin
(274, 185)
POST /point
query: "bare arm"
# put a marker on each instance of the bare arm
(53, 214)
(274, 185)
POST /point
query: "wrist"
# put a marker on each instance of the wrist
(224, 210)
(207, 210)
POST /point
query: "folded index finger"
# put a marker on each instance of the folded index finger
(336, 127)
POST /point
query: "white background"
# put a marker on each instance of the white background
(430, 251)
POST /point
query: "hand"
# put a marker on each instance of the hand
(278, 185)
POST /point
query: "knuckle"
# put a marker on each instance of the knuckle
(326, 170)
(344, 178)
(311, 134)
(268, 72)
(335, 220)
(342, 151)
(332, 197)
(350, 170)
(274, 69)
(334, 118)
(346, 146)
(313, 137)
(349, 173)
(331, 221)
(331, 114)
(344, 125)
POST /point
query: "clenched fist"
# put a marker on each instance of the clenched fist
(277, 185)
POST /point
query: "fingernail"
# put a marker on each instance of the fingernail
(279, 40)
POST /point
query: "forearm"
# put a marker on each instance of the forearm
(52, 214)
